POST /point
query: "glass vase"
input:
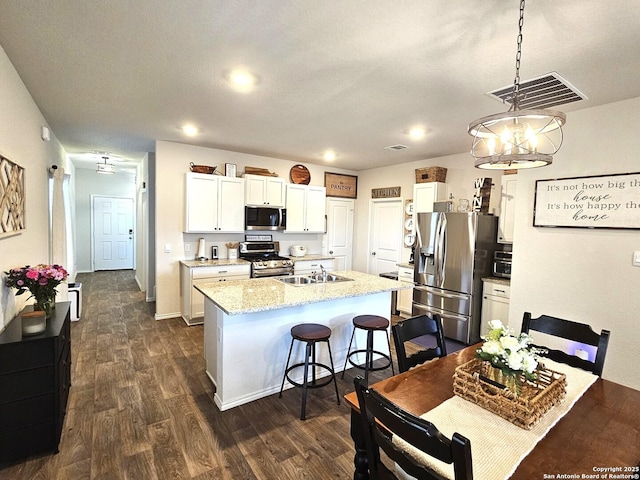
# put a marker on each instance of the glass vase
(46, 305)
(511, 381)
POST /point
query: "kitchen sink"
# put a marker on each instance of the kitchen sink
(316, 278)
(331, 278)
(297, 280)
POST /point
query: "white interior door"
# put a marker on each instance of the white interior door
(385, 236)
(112, 233)
(340, 231)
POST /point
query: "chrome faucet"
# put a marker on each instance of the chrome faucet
(324, 274)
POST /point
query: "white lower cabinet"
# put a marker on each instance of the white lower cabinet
(495, 304)
(404, 301)
(306, 267)
(192, 299)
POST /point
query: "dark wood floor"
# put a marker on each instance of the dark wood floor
(141, 406)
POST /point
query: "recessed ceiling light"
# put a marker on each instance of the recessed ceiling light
(190, 130)
(329, 155)
(417, 133)
(242, 79)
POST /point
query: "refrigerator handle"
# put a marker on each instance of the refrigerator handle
(440, 253)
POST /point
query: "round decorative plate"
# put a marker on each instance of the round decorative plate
(408, 208)
(409, 238)
(408, 224)
(300, 174)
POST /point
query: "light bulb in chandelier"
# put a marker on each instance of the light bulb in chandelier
(517, 139)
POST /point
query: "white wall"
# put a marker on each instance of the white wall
(581, 274)
(172, 162)
(87, 183)
(20, 142)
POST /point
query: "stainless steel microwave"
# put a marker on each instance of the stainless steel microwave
(502, 264)
(265, 218)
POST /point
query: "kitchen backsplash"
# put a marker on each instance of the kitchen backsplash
(313, 242)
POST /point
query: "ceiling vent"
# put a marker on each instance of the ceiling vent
(396, 147)
(547, 91)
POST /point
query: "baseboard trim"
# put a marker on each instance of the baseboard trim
(166, 316)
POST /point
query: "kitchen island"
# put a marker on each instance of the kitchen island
(247, 324)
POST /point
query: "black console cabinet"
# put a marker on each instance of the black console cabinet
(35, 376)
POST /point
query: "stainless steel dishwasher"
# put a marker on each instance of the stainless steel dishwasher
(394, 294)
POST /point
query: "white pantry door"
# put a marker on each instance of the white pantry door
(340, 231)
(112, 233)
(385, 236)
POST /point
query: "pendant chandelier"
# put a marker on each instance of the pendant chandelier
(105, 168)
(517, 138)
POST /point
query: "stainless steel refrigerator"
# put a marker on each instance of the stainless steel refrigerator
(453, 253)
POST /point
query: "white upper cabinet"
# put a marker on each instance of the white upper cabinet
(213, 204)
(262, 190)
(306, 206)
(507, 208)
(426, 194)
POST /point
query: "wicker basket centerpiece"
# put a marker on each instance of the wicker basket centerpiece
(507, 379)
(472, 381)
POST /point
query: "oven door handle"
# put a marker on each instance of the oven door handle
(272, 272)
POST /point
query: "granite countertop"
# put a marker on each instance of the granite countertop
(405, 265)
(499, 280)
(261, 294)
(223, 262)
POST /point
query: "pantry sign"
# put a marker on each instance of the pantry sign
(339, 185)
(611, 201)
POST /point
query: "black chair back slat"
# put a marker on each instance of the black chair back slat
(412, 328)
(569, 330)
(381, 419)
(407, 463)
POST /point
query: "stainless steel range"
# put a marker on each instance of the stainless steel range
(264, 258)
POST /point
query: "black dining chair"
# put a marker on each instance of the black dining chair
(381, 419)
(569, 330)
(412, 328)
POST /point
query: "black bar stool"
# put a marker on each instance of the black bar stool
(311, 333)
(371, 324)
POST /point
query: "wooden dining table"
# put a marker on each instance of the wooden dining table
(600, 432)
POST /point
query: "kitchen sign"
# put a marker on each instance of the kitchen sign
(611, 201)
(339, 185)
(388, 192)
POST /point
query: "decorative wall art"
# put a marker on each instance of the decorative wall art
(610, 201)
(482, 194)
(339, 185)
(12, 198)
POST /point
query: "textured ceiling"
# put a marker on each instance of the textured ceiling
(351, 75)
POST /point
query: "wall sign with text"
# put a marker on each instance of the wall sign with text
(611, 201)
(339, 185)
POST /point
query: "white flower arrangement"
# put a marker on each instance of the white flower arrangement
(513, 355)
